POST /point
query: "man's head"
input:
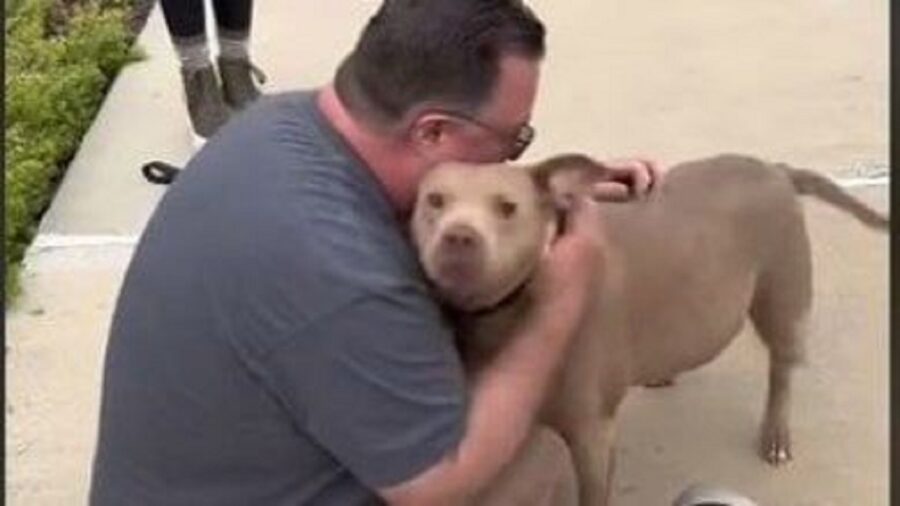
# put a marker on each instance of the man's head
(454, 79)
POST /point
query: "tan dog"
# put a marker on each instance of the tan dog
(723, 238)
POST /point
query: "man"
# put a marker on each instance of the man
(274, 341)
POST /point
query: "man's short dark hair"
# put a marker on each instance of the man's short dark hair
(442, 51)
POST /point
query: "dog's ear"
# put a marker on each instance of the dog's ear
(559, 180)
(566, 176)
(570, 164)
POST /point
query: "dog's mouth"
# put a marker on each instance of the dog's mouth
(456, 273)
(462, 287)
(457, 280)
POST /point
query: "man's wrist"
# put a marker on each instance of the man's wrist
(559, 317)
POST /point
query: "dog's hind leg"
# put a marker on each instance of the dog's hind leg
(779, 312)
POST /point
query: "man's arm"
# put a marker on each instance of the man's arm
(508, 393)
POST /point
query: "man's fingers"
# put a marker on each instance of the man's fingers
(641, 177)
(611, 191)
(658, 172)
(640, 174)
(631, 170)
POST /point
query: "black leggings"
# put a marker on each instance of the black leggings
(185, 18)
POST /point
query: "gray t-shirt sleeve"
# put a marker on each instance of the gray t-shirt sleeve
(378, 383)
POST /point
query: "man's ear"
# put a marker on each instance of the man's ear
(427, 130)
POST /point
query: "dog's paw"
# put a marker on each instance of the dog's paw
(775, 444)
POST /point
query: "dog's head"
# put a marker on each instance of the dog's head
(481, 229)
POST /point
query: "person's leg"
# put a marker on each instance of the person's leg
(187, 29)
(234, 16)
(184, 18)
(541, 475)
(233, 22)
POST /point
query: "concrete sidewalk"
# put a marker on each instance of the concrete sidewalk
(800, 81)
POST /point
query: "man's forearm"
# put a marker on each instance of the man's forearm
(508, 393)
(507, 397)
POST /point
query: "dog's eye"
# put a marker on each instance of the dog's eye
(435, 200)
(506, 208)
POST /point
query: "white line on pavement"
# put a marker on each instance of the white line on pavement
(861, 182)
(44, 242)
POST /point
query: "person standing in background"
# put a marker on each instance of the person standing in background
(211, 99)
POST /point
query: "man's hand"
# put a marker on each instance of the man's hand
(570, 268)
(626, 179)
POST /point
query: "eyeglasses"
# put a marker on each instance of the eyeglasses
(518, 141)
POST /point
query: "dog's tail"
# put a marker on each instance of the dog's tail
(807, 182)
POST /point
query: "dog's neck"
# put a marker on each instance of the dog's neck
(484, 332)
(510, 299)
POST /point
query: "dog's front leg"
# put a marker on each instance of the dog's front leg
(591, 444)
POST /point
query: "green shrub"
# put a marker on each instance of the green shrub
(57, 72)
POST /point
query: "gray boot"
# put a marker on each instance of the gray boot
(237, 81)
(205, 105)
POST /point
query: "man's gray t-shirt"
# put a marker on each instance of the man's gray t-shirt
(274, 342)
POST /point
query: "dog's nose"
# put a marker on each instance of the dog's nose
(461, 238)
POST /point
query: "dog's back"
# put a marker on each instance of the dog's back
(709, 247)
(692, 252)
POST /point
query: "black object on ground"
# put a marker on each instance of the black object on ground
(159, 172)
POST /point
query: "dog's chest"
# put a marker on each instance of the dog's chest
(481, 337)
